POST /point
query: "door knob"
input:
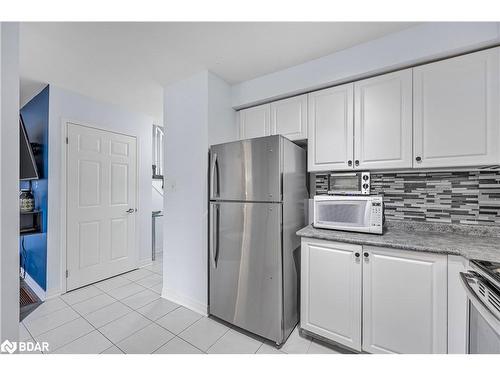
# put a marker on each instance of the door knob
(356, 255)
(130, 210)
(356, 162)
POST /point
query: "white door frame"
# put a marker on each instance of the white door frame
(64, 186)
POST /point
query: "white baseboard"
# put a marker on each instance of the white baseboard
(52, 294)
(145, 262)
(37, 289)
(185, 301)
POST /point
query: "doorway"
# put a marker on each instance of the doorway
(101, 205)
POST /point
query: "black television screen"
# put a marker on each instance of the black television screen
(27, 164)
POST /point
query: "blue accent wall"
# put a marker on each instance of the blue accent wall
(36, 120)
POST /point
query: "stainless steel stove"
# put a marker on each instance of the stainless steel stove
(491, 269)
(482, 286)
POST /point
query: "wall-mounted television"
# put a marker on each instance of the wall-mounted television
(27, 164)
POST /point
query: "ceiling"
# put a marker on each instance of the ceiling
(128, 63)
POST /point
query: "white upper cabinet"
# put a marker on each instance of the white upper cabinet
(404, 301)
(383, 121)
(289, 117)
(330, 129)
(456, 104)
(331, 291)
(255, 122)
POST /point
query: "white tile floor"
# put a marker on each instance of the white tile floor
(125, 314)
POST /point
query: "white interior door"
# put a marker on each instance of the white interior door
(101, 205)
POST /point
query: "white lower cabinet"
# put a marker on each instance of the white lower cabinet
(374, 299)
(331, 291)
(404, 301)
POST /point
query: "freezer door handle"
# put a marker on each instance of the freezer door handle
(214, 234)
(214, 169)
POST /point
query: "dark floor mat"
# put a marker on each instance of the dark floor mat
(28, 300)
(26, 297)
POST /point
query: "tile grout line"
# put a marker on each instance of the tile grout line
(216, 341)
(83, 317)
(88, 333)
(191, 323)
(121, 351)
(60, 325)
(160, 316)
(79, 315)
(42, 316)
(193, 345)
(132, 310)
(141, 330)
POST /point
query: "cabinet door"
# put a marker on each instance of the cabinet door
(404, 301)
(330, 129)
(289, 117)
(456, 111)
(383, 121)
(255, 122)
(331, 291)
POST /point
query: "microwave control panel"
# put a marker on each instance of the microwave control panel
(377, 214)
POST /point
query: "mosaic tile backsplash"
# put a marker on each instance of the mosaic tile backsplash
(470, 197)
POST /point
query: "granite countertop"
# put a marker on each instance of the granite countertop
(469, 241)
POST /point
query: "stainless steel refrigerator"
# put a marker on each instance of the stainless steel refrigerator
(257, 190)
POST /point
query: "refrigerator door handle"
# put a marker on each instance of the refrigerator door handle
(213, 169)
(217, 221)
(214, 234)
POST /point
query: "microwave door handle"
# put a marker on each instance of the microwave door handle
(485, 312)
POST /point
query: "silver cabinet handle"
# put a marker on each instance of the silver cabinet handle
(130, 210)
(483, 309)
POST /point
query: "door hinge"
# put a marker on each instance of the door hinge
(67, 273)
(67, 140)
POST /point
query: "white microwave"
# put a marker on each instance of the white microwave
(350, 213)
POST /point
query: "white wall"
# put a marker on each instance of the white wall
(197, 113)
(9, 181)
(64, 104)
(415, 45)
(220, 114)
